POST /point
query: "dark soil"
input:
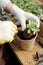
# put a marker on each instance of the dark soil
(21, 36)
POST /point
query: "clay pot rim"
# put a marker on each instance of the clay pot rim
(29, 39)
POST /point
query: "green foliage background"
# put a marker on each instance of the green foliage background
(28, 5)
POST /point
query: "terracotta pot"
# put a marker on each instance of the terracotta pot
(25, 44)
(40, 34)
(41, 29)
(41, 1)
(39, 39)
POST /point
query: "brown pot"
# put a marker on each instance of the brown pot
(41, 1)
(25, 44)
(41, 29)
(40, 34)
(40, 39)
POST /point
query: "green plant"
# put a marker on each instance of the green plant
(32, 27)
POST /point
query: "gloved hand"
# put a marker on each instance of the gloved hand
(22, 16)
(7, 31)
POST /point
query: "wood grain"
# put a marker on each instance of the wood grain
(26, 57)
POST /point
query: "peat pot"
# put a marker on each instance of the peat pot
(25, 44)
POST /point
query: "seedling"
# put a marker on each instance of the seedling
(32, 27)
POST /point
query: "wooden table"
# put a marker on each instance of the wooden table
(26, 57)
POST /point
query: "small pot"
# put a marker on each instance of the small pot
(40, 34)
(39, 39)
(25, 44)
(41, 28)
(41, 1)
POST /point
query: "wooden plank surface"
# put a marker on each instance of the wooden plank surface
(26, 57)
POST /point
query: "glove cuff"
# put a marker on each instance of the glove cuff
(15, 10)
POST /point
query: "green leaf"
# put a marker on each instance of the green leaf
(32, 26)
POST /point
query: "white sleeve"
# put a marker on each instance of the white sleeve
(4, 3)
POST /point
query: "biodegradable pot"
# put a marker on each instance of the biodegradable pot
(25, 44)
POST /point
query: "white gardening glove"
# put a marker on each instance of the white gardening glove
(20, 14)
(7, 31)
